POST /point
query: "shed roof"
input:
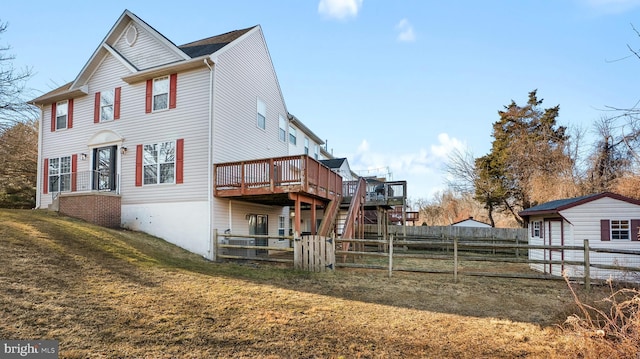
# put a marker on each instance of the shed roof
(562, 204)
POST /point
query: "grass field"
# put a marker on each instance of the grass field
(118, 294)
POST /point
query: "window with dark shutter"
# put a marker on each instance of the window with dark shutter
(605, 233)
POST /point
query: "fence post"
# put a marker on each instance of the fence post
(587, 267)
(297, 251)
(214, 245)
(390, 254)
(455, 259)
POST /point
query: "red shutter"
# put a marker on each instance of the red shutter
(635, 230)
(74, 173)
(605, 233)
(45, 176)
(173, 86)
(96, 108)
(179, 160)
(138, 165)
(149, 96)
(70, 113)
(116, 104)
(53, 117)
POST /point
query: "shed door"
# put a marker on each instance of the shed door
(553, 237)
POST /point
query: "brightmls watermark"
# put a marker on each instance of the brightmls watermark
(31, 349)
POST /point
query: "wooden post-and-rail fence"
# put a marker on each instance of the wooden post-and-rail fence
(466, 250)
(309, 252)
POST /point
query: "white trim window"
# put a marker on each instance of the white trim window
(60, 174)
(537, 225)
(620, 229)
(316, 150)
(161, 93)
(159, 163)
(292, 135)
(261, 118)
(281, 227)
(306, 146)
(282, 131)
(62, 114)
(106, 105)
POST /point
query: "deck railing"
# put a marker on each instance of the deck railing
(276, 175)
(379, 192)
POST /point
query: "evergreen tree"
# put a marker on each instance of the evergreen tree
(528, 150)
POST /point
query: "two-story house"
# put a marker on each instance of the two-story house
(181, 141)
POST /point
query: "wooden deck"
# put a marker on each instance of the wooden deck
(392, 193)
(271, 180)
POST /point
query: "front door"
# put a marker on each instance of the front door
(104, 168)
(258, 224)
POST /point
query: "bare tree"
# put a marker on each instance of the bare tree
(13, 91)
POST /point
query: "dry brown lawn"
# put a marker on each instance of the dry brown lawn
(118, 294)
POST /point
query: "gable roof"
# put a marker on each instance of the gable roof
(212, 44)
(470, 219)
(190, 55)
(562, 204)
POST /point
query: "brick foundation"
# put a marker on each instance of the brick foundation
(101, 208)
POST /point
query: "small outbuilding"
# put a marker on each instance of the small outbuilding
(607, 220)
(470, 222)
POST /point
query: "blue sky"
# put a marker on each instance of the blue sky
(389, 84)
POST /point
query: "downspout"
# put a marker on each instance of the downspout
(212, 255)
(39, 169)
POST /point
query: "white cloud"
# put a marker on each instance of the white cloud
(339, 9)
(421, 169)
(405, 31)
(446, 146)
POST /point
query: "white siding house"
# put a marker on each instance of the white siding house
(606, 220)
(146, 121)
(184, 142)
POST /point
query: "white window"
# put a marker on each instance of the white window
(282, 132)
(292, 135)
(262, 115)
(536, 229)
(316, 150)
(281, 228)
(106, 106)
(60, 174)
(62, 114)
(620, 230)
(159, 163)
(161, 93)
(306, 146)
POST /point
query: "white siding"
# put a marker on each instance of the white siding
(243, 74)
(536, 254)
(166, 204)
(146, 51)
(586, 220)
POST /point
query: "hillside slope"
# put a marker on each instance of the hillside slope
(106, 293)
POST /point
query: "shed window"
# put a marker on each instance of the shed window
(620, 230)
(536, 229)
